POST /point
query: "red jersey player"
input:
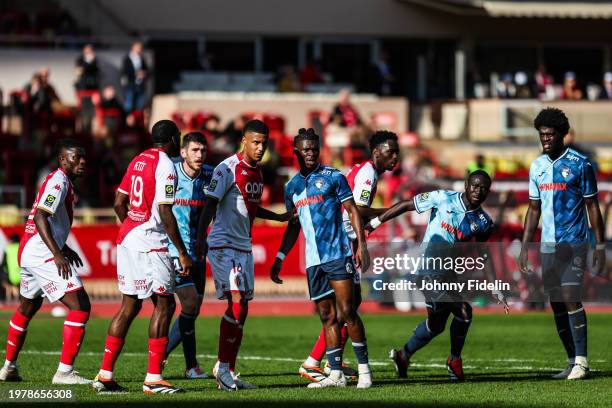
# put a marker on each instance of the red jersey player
(143, 203)
(233, 198)
(362, 179)
(48, 267)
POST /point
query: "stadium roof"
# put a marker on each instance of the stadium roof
(522, 8)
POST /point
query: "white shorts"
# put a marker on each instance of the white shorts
(232, 271)
(44, 280)
(144, 273)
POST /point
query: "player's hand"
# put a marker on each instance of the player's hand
(362, 259)
(72, 256)
(275, 271)
(524, 261)
(63, 266)
(186, 264)
(599, 262)
(501, 299)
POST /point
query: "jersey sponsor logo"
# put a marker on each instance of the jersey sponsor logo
(139, 166)
(553, 187)
(572, 157)
(190, 203)
(365, 195)
(326, 172)
(447, 227)
(254, 188)
(169, 191)
(423, 196)
(317, 198)
(566, 172)
(49, 200)
(137, 216)
(212, 185)
(50, 287)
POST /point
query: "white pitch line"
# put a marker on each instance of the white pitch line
(372, 362)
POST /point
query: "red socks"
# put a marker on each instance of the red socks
(157, 350)
(16, 335)
(230, 336)
(74, 330)
(319, 349)
(112, 348)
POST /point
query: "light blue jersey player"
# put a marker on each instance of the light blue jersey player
(455, 217)
(319, 194)
(563, 190)
(193, 179)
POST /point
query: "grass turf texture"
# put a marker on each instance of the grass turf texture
(508, 361)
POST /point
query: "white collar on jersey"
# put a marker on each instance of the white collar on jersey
(560, 156)
(185, 173)
(315, 169)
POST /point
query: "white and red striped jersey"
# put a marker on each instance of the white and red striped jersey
(150, 180)
(362, 179)
(55, 197)
(238, 186)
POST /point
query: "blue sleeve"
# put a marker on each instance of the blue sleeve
(343, 189)
(426, 201)
(589, 183)
(288, 201)
(534, 190)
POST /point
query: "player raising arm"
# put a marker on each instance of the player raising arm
(48, 267)
(561, 184)
(319, 193)
(233, 198)
(143, 203)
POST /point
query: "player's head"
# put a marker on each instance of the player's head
(71, 157)
(306, 148)
(385, 150)
(477, 186)
(194, 149)
(552, 126)
(254, 140)
(164, 133)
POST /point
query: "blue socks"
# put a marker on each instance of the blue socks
(334, 356)
(578, 326)
(421, 336)
(458, 332)
(361, 352)
(183, 330)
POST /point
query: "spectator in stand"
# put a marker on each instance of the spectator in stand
(481, 163)
(234, 130)
(506, 88)
(606, 92)
(311, 74)
(87, 72)
(521, 80)
(134, 78)
(571, 91)
(109, 99)
(385, 76)
(287, 81)
(542, 79)
(348, 113)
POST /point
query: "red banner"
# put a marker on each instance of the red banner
(96, 246)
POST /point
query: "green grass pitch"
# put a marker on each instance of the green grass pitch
(508, 361)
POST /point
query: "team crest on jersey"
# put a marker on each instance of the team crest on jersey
(365, 195)
(566, 172)
(474, 227)
(212, 185)
(169, 191)
(319, 183)
(349, 268)
(49, 200)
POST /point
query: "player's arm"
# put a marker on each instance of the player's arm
(389, 213)
(362, 256)
(531, 224)
(599, 256)
(171, 227)
(272, 216)
(121, 205)
(41, 220)
(206, 216)
(290, 237)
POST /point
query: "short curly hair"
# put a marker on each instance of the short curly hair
(381, 136)
(552, 118)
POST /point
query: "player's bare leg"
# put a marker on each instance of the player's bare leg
(158, 341)
(17, 331)
(347, 314)
(79, 308)
(328, 314)
(130, 307)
